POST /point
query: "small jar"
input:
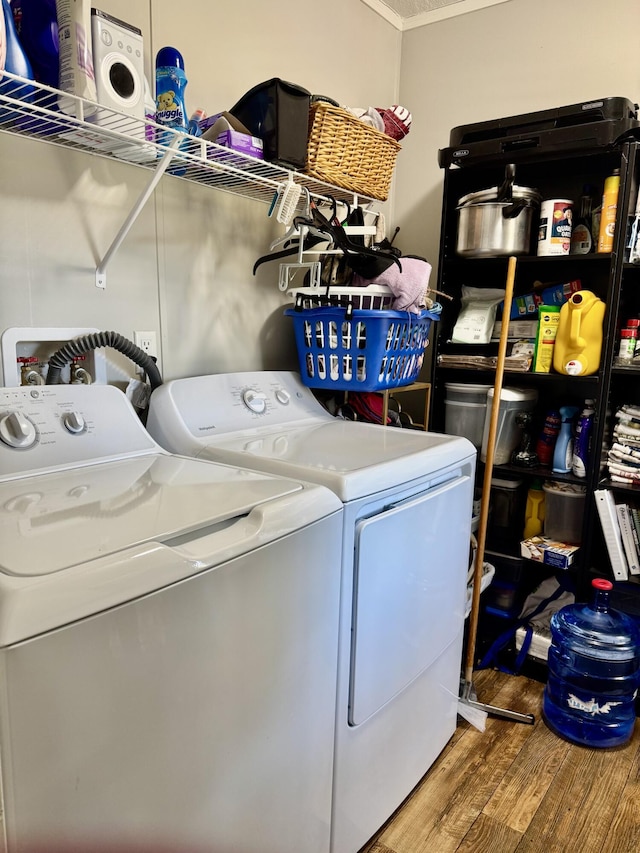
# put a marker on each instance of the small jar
(627, 347)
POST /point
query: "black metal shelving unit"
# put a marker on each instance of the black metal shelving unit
(610, 276)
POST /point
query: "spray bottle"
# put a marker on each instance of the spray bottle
(563, 452)
(581, 440)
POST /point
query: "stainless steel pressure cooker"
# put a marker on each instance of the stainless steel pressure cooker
(497, 221)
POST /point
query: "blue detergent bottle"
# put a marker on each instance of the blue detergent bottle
(563, 450)
(594, 672)
(15, 62)
(171, 81)
(37, 28)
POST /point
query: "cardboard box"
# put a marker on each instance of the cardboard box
(250, 145)
(229, 133)
(548, 551)
(558, 294)
(548, 322)
(518, 329)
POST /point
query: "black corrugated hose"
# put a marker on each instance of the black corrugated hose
(86, 343)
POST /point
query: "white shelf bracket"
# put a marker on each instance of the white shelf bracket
(101, 274)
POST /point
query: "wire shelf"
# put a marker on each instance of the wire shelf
(40, 112)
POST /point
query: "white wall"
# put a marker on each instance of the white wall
(185, 269)
(502, 61)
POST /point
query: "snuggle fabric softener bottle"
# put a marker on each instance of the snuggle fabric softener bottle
(171, 81)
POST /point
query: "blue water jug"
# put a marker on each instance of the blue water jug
(594, 672)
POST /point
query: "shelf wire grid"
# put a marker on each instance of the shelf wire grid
(40, 112)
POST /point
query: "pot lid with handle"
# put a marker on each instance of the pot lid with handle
(506, 193)
(491, 195)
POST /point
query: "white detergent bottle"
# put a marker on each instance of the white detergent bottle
(563, 451)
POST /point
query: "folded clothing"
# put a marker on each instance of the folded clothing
(409, 285)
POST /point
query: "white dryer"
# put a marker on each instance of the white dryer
(168, 639)
(407, 499)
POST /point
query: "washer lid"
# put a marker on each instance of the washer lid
(51, 522)
(352, 459)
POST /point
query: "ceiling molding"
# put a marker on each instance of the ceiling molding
(385, 12)
(455, 9)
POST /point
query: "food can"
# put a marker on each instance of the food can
(556, 224)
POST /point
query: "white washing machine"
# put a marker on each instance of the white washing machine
(407, 499)
(168, 640)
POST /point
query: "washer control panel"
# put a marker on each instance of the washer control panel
(47, 427)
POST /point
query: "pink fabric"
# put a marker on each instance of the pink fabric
(409, 286)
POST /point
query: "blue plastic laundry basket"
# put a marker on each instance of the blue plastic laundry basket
(359, 350)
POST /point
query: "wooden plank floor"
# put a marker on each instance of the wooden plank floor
(516, 787)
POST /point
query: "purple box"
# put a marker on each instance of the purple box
(241, 142)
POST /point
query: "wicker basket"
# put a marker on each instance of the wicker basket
(346, 152)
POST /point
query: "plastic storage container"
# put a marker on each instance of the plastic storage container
(564, 511)
(465, 408)
(508, 433)
(507, 504)
(594, 672)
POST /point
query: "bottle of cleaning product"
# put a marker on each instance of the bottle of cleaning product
(547, 440)
(578, 343)
(534, 511)
(582, 241)
(171, 82)
(563, 453)
(609, 212)
(584, 426)
(194, 122)
(15, 62)
(37, 28)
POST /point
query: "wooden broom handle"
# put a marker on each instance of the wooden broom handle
(488, 472)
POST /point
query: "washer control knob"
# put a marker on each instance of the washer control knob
(73, 422)
(283, 396)
(17, 431)
(255, 401)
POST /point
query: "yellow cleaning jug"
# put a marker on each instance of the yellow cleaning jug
(579, 339)
(534, 511)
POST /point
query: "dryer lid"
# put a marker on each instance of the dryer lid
(354, 460)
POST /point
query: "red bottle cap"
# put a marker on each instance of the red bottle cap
(601, 583)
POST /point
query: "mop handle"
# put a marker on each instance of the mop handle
(488, 471)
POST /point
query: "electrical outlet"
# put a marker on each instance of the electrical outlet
(148, 344)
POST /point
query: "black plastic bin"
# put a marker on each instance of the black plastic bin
(278, 113)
